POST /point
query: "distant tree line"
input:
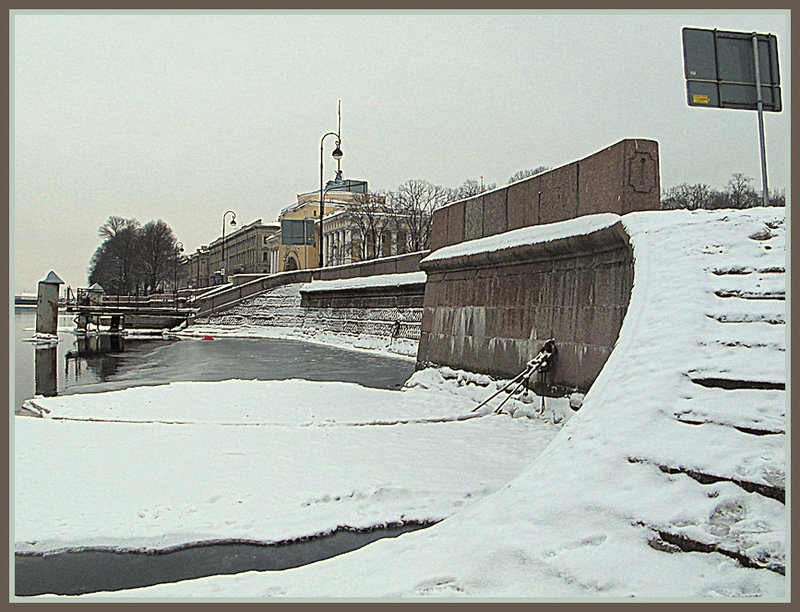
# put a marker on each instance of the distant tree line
(738, 193)
(409, 210)
(134, 259)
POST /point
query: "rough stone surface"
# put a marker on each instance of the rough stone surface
(492, 317)
(219, 301)
(495, 218)
(473, 218)
(406, 296)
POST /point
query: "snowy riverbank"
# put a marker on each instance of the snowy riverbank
(668, 483)
(163, 467)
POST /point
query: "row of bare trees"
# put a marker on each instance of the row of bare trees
(134, 258)
(408, 211)
(738, 193)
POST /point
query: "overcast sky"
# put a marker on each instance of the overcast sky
(180, 116)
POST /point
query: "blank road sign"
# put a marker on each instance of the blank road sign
(719, 67)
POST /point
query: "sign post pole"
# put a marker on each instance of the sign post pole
(760, 102)
(719, 75)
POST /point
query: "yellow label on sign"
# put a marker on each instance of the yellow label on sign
(700, 99)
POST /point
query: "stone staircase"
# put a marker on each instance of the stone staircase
(281, 307)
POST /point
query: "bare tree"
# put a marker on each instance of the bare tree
(777, 197)
(521, 174)
(158, 252)
(103, 270)
(740, 193)
(367, 212)
(688, 196)
(410, 210)
(115, 264)
(470, 188)
(114, 224)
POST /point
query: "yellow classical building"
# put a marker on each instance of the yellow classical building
(295, 247)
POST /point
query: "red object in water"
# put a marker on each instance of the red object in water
(207, 338)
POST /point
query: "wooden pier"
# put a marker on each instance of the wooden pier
(128, 312)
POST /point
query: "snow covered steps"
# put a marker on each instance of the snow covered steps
(729, 423)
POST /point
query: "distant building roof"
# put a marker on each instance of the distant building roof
(53, 279)
(337, 184)
(340, 184)
(255, 224)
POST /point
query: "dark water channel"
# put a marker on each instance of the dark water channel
(109, 362)
(74, 573)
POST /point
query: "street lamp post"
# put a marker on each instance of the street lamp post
(178, 251)
(223, 266)
(337, 155)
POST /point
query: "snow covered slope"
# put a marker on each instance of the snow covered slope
(669, 482)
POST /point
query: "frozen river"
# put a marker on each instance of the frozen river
(110, 362)
(105, 362)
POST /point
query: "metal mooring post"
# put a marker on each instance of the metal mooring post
(47, 304)
(760, 102)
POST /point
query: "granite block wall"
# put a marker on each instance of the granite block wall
(491, 313)
(619, 179)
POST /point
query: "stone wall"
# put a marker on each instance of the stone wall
(393, 313)
(619, 179)
(374, 311)
(246, 286)
(491, 312)
(397, 264)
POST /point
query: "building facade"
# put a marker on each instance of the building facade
(291, 243)
(245, 251)
(346, 238)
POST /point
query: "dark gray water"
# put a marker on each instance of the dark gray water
(110, 362)
(91, 571)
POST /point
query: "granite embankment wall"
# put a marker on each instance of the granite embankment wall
(492, 310)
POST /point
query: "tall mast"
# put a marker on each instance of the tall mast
(339, 132)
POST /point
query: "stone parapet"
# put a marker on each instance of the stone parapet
(405, 296)
(619, 179)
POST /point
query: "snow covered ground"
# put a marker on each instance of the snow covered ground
(397, 347)
(669, 482)
(162, 467)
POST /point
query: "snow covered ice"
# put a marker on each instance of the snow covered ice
(156, 468)
(668, 482)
